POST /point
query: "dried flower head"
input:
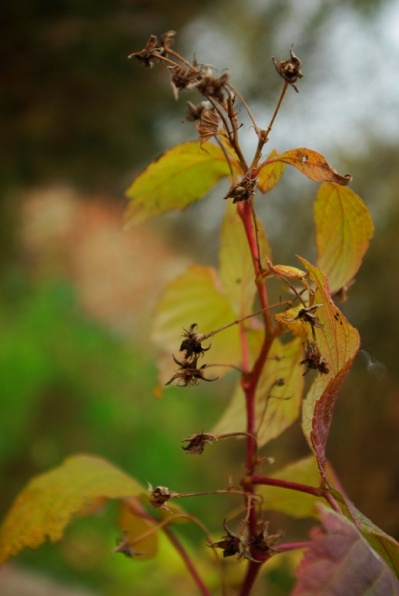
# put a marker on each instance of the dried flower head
(197, 442)
(191, 343)
(233, 544)
(124, 546)
(183, 78)
(208, 124)
(211, 86)
(308, 315)
(154, 48)
(313, 359)
(194, 112)
(244, 190)
(264, 542)
(159, 496)
(189, 374)
(289, 70)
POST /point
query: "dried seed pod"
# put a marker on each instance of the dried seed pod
(289, 70)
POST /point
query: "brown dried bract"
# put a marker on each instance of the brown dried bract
(189, 374)
(159, 496)
(314, 360)
(208, 124)
(197, 442)
(194, 112)
(124, 546)
(308, 315)
(243, 191)
(191, 343)
(289, 70)
(264, 542)
(153, 48)
(232, 544)
(212, 86)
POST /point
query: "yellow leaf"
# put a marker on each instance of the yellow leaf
(287, 271)
(278, 395)
(180, 176)
(270, 172)
(47, 504)
(313, 166)
(134, 527)
(344, 229)
(289, 320)
(196, 297)
(338, 343)
(235, 262)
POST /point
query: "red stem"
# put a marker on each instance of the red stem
(303, 488)
(189, 564)
(250, 577)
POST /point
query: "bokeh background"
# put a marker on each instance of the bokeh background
(77, 368)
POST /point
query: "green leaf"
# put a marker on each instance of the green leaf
(313, 166)
(235, 262)
(47, 504)
(340, 561)
(196, 296)
(338, 343)
(277, 405)
(178, 177)
(270, 172)
(291, 502)
(344, 229)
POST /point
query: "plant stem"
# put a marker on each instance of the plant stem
(189, 564)
(304, 488)
(288, 546)
(250, 577)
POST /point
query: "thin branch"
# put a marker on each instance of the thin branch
(246, 106)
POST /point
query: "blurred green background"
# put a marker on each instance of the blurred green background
(77, 369)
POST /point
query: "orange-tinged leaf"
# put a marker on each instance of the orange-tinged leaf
(270, 172)
(287, 271)
(313, 166)
(277, 404)
(338, 343)
(344, 229)
(235, 262)
(178, 177)
(339, 561)
(48, 503)
(196, 296)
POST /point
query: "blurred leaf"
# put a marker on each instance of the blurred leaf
(313, 166)
(344, 229)
(287, 271)
(338, 343)
(269, 174)
(277, 405)
(133, 526)
(235, 261)
(340, 561)
(381, 542)
(178, 177)
(195, 297)
(47, 504)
